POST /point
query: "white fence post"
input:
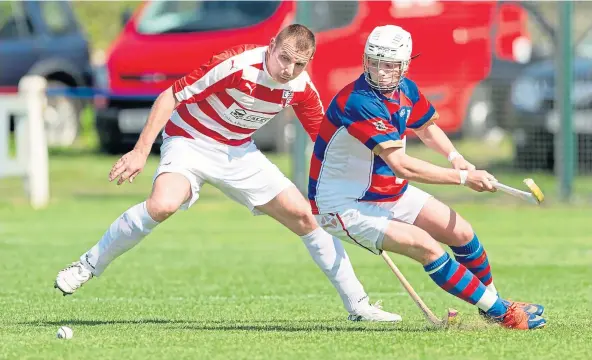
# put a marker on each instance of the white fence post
(34, 146)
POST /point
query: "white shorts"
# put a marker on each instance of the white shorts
(243, 173)
(364, 223)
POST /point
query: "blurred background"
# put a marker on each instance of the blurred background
(490, 68)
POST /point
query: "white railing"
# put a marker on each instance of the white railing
(31, 159)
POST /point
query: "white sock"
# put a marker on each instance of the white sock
(492, 288)
(329, 254)
(487, 300)
(123, 234)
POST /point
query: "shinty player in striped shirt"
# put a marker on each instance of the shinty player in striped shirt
(208, 117)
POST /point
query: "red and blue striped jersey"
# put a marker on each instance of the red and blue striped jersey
(359, 123)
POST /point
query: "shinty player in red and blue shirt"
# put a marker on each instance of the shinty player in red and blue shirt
(377, 122)
(375, 110)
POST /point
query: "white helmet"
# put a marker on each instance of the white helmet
(391, 46)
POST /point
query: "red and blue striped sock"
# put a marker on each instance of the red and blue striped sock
(456, 279)
(473, 256)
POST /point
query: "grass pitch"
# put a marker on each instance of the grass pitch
(216, 283)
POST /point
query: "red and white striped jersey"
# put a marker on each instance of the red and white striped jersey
(233, 95)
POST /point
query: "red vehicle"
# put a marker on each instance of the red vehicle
(454, 40)
(163, 40)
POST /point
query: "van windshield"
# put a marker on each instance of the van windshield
(169, 17)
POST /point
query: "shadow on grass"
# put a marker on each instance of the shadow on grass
(249, 325)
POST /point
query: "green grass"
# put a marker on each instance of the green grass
(215, 282)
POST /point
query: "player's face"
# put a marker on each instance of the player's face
(285, 62)
(384, 73)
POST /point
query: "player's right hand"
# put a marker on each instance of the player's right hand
(128, 166)
(480, 180)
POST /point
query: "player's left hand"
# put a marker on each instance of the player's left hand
(459, 163)
(128, 166)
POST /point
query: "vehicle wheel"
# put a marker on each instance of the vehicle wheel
(480, 118)
(62, 117)
(110, 141)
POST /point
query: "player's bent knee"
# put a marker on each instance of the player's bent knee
(161, 208)
(426, 250)
(464, 232)
(411, 241)
(432, 252)
(169, 192)
(304, 220)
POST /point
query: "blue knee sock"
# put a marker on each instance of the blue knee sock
(457, 280)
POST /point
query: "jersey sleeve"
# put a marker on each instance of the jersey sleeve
(214, 76)
(422, 112)
(368, 121)
(310, 111)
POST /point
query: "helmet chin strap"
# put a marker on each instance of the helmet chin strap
(391, 93)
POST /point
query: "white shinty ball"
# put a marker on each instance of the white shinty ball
(65, 333)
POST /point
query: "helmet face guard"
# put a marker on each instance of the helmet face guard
(383, 74)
